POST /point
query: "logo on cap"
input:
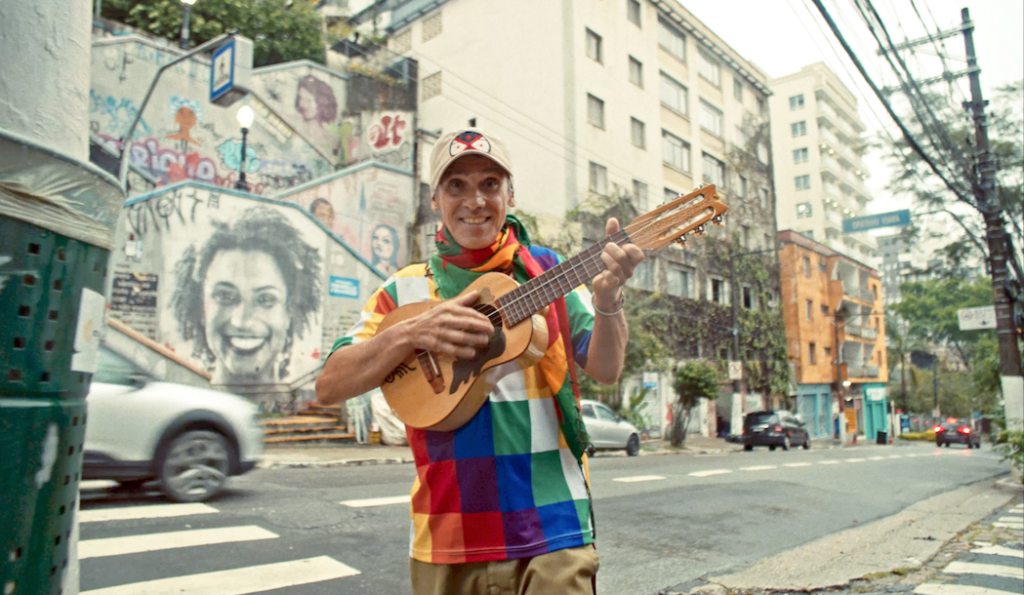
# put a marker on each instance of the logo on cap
(469, 140)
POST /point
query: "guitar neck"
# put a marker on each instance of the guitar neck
(556, 282)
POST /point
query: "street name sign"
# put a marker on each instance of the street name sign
(892, 219)
(976, 319)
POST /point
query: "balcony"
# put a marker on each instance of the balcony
(861, 371)
(861, 331)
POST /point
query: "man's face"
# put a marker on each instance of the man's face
(245, 308)
(473, 196)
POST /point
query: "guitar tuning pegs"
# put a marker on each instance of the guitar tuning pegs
(717, 221)
(681, 240)
(699, 230)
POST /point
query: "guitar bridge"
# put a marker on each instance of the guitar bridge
(431, 371)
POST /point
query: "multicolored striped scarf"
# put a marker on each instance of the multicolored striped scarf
(454, 268)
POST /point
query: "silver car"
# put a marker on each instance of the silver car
(608, 430)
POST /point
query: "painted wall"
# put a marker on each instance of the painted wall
(181, 134)
(253, 290)
(44, 75)
(369, 206)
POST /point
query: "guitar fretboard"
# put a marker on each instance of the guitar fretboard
(521, 303)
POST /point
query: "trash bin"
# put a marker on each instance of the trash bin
(883, 438)
(51, 319)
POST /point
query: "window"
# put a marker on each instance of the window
(598, 178)
(640, 195)
(432, 27)
(748, 298)
(595, 111)
(709, 69)
(111, 368)
(743, 187)
(810, 304)
(675, 151)
(605, 414)
(636, 72)
(678, 281)
(594, 46)
(430, 86)
(824, 307)
(811, 353)
(588, 410)
(823, 268)
(737, 89)
(796, 102)
(671, 39)
(636, 128)
(670, 195)
(673, 94)
(723, 353)
(799, 128)
(717, 291)
(643, 276)
(807, 269)
(800, 155)
(765, 198)
(633, 11)
(713, 170)
(767, 241)
(809, 234)
(746, 237)
(803, 182)
(710, 118)
(762, 107)
(828, 352)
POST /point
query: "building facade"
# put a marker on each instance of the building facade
(835, 325)
(819, 175)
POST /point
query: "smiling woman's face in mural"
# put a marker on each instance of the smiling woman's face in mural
(382, 245)
(244, 305)
(307, 104)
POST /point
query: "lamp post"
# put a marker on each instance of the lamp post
(245, 116)
(186, 6)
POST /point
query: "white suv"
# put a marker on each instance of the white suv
(189, 439)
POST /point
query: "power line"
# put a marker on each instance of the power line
(941, 52)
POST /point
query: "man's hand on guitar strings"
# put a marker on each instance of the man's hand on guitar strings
(621, 262)
(452, 328)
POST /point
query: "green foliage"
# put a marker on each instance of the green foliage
(1012, 450)
(929, 308)
(635, 412)
(281, 30)
(693, 381)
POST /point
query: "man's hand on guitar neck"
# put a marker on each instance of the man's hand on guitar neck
(621, 262)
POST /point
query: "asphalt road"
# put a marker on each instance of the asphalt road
(673, 519)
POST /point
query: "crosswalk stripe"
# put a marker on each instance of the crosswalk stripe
(131, 513)
(797, 465)
(152, 542)
(710, 472)
(829, 462)
(636, 478)
(377, 501)
(948, 589)
(1010, 519)
(239, 581)
(998, 550)
(1018, 508)
(759, 468)
(1005, 525)
(957, 567)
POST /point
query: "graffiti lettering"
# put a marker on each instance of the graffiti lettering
(160, 212)
(386, 133)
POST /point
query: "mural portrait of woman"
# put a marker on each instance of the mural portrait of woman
(245, 295)
(318, 108)
(384, 249)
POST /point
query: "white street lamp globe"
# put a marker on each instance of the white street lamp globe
(245, 116)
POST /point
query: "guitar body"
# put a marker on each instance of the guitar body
(438, 392)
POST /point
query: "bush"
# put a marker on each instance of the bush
(1013, 449)
(928, 436)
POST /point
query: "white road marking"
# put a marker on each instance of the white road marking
(131, 513)
(998, 550)
(1018, 508)
(240, 581)
(855, 460)
(152, 542)
(957, 567)
(710, 472)
(911, 455)
(1005, 525)
(759, 468)
(876, 458)
(895, 456)
(637, 478)
(829, 462)
(947, 589)
(377, 501)
(797, 465)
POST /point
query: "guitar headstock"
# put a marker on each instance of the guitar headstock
(677, 218)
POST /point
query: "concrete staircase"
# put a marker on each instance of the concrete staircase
(317, 424)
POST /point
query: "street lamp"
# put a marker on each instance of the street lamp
(187, 9)
(245, 116)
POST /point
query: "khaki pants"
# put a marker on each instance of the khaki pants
(565, 572)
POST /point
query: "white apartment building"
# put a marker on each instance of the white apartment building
(819, 176)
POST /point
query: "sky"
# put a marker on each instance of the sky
(781, 36)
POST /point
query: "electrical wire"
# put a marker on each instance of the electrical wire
(940, 51)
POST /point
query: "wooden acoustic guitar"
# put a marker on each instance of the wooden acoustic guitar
(439, 392)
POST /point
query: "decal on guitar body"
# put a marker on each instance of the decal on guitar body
(402, 369)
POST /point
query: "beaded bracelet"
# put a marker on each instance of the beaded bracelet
(615, 312)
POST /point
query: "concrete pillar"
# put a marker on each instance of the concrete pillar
(44, 73)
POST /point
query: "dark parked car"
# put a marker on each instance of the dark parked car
(774, 428)
(956, 431)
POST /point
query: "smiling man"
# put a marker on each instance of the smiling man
(500, 505)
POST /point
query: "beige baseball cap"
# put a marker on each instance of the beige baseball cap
(466, 141)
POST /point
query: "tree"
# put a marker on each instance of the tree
(281, 30)
(929, 309)
(693, 381)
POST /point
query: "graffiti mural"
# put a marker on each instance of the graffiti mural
(369, 207)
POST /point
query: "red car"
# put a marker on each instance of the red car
(955, 431)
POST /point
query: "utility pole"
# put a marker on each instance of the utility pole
(736, 421)
(998, 241)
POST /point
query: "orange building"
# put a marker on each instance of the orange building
(835, 330)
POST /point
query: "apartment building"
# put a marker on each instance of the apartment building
(819, 175)
(834, 312)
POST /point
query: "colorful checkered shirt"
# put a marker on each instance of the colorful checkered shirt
(505, 485)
